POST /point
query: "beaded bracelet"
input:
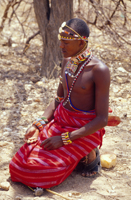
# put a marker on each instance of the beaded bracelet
(45, 119)
(65, 138)
(59, 99)
(40, 123)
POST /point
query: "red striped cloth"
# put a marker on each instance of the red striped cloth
(36, 167)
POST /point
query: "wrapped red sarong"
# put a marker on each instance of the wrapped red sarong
(36, 167)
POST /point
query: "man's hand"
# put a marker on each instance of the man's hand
(31, 135)
(52, 143)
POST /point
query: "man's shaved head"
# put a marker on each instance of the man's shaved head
(79, 26)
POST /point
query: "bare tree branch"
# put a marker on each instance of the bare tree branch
(27, 45)
(13, 12)
(5, 15)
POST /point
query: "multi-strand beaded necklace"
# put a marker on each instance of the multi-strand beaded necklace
(75, 78)
(73, 63)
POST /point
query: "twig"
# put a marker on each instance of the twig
(52, 192)
(10, 4)
(57, 194)
(20, 23)
(14, 10)
(6, 13)
(27, 45)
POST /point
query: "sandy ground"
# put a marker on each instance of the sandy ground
(24, 96)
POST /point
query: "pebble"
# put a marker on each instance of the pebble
(7, 129)
(14, 45)
(35, 79)
(121, 69)
(119, 80)
(44, 80)
(18, 197)
(20, 84)
(6, 133)
(40, 83)
(80, 199)
(5, 185)
(4, 113)
(37, 198)
(70, 195)
(29, 101)
(3, 143)
(77, 194)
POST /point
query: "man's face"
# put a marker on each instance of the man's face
(70, 47)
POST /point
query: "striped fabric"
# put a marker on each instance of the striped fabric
(36, 167)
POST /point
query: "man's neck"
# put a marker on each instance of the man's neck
(81, 50)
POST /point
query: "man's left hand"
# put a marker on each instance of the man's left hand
(52, 143)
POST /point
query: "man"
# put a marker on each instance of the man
(75, 119)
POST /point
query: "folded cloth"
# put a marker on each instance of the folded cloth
(34, 166)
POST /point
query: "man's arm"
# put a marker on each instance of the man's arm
(101, 78)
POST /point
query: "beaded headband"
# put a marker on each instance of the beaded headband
(75, 36)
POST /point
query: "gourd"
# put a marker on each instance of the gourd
(108, 160)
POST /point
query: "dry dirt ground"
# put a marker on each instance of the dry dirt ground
(24, 94)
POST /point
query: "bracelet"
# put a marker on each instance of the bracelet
(59, 99)
(45, 119)
(40, 123)
(65, 138)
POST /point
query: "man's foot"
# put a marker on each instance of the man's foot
(90, 164)
(93, 165)
(91, 157)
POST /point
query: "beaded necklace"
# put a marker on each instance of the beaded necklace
(72, 64)
(73, 83)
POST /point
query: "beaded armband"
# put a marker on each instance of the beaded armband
(40, 123)
(65, 138)
(59, 99)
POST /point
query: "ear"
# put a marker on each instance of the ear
(82, 43)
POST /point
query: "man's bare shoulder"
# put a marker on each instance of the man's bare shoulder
(98, 64)
(100, 70)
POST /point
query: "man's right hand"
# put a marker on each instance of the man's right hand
(31, 135)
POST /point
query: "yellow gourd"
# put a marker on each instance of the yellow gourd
(108, 160)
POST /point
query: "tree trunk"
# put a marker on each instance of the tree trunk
(50, 15)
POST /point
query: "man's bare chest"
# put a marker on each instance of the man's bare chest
(82, 84)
